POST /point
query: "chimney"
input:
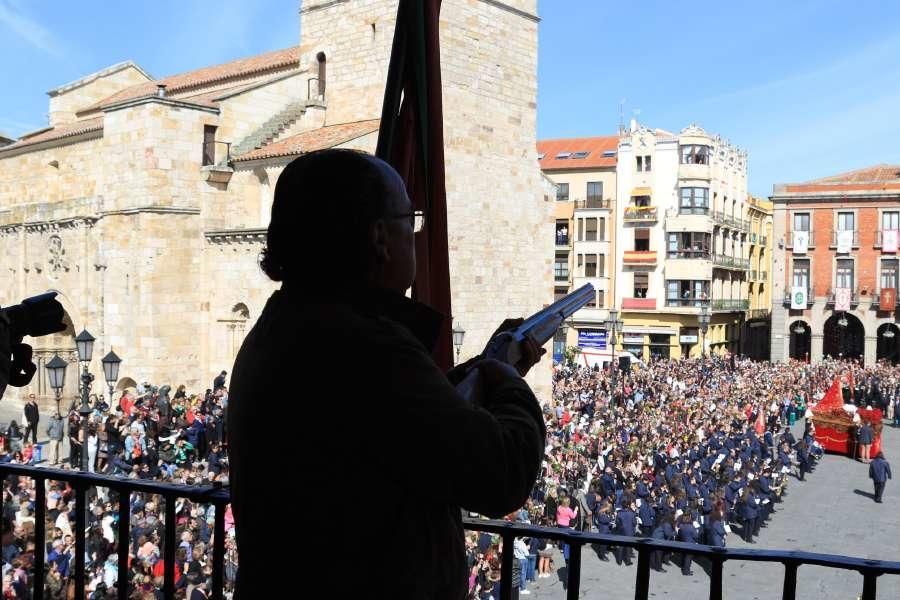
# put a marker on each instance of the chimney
(160, 90)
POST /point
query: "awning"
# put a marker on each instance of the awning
(641, 191)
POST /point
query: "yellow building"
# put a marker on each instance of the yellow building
(682, 243)
(755, 337)
(584, 173)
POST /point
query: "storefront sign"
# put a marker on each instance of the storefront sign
(592, 338)
(633, 338)
(688, 339)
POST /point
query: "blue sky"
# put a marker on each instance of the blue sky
(809, 88)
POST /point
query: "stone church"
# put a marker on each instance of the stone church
(144, 202)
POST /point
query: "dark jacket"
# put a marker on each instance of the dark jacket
(414, 450)
(31, 413)
(866, 435)
(717, 534)
(879, 470)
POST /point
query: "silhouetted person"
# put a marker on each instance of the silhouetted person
(385, 451)
(879, 473)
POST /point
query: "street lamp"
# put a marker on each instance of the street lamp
(85, 344)
(843, 321)
(56, 371)
(614, 325)
(799, 329)
(458, 334)
(111, 371)
(888, 333)
(704, 327)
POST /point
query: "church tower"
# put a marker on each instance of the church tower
(500, 224)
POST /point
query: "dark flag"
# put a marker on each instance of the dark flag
(411, 139)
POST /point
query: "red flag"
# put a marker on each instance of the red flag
(411, 139)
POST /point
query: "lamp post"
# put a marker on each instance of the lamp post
(111, 371)
(56, 370)
(704, 327)
(614, 324)
(458, 334)
(85, 344)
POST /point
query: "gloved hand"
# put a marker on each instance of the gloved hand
(16, 367)
(5, 353)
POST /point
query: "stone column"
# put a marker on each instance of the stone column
(870, 349)
(816, 347)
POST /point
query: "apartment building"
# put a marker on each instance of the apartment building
(755, 339)
(836, 266)
(584, 172)
(682, 242)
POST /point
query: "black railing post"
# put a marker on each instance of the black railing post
(869, 581)
(506, 565)
(642, 584)
(40, 536)
(124, 542)
(80, 541)
(715, 579)
(218, 569)
(573, 571)
(169, 549)
(789, 592)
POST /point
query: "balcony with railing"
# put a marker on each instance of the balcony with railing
(836, 235)
(786, 298)
(879, 238)
(591, 203)
(792, 560)
(687, 302)
(830, 298)
(562, 240)
(82, 483)
(723, 304)
(811, 237)
(730, 221)
(639, 257)
(687, 253)
(561, 274)
(640, 214)
(639, 303)
(731, 262)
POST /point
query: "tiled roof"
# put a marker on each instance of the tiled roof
(878, 173)
(878, 178)
(315, 139)
(595, 146)
(244, 67)
(56, 133)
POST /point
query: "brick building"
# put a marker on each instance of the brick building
(836, 266)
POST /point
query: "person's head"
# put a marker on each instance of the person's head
(362, 193)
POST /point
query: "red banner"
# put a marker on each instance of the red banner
(888, 299)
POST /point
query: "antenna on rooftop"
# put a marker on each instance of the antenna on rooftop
(622, 116)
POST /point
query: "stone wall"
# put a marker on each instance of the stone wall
(65, 102)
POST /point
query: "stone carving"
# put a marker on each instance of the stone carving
(57, 260)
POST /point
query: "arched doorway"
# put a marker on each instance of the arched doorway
(801, 336)
(888, 345)
(844, 336)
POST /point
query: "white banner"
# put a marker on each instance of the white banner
(798, 298)
(889, 240)
(801, 242)
(844, 242)
(842, 298)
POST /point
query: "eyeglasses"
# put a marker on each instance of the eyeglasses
(416, 219)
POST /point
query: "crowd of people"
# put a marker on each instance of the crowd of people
(151, 434)
(693, 450)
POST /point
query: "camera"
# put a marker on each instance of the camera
(35, 316)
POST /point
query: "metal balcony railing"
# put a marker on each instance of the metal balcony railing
(561, 274)
(691, 302)
(877, 296)
(786, 298)
(581, 204)
(870, 570)
(731, 262)
(686, 253)
(812, 239)
(562, 240)
(213, 153)
(640, 214)
(835, 234)
(726, 304)
(854, 298)
(80, 482)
